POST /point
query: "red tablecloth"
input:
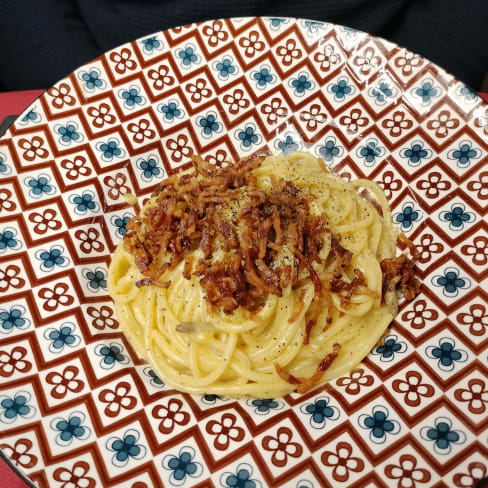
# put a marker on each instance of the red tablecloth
(9, 479)
(13, 103)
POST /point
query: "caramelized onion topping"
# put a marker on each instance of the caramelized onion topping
(400, 272)
(306, 384)
(192, 211)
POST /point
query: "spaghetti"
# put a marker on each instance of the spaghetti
(258, 278)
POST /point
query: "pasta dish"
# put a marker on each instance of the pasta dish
(260, 277)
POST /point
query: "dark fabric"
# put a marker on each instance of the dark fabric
(42, 41)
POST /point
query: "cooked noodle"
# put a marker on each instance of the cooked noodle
(197, 347)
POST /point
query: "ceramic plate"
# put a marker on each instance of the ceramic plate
(77, 407)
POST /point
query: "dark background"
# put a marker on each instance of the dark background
(41, 41)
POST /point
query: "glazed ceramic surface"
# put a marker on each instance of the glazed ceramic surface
(78, 409)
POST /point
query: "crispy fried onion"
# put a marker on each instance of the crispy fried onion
(193, 211)
(399, 271)
(332, 283)
(306, 384)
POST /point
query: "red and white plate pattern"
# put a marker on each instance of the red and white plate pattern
(77, 407)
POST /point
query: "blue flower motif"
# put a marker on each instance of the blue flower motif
(111, 355)
(446, 354)
(64, 336)
(170, 111)
(97, 279)
(263, 76)
(151, 44)
(150, 167)
(69, 133)
(265, 405)
(457, 216)
(320, 411)
(382, 92)
(467, 93)
(427, 91)
(442, 435)
(464, 154)
(4, 168)
(287, 146)
(110, 149)
(407, 216)
(330, 150)
(84, 202)
(31, 116)
(275, 22)
(131, 97)
(92, 79)
(70, 429)
(182, 466)
(209, 124)
(16, 406)
(120, 223)
(351, 33)
(301, 84)
(154, 379)
(211, 399)
(187, 56)
(225, 68)
(40, 185)
(314, 27)
(126, 448)
(451, 282)
(416, 153)
(241, 478)
(340, 89)
(379, 424)
(8, 240)
(390, 346)
(13, 319)
(53, 257)
(247, 136)
(370, 151)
